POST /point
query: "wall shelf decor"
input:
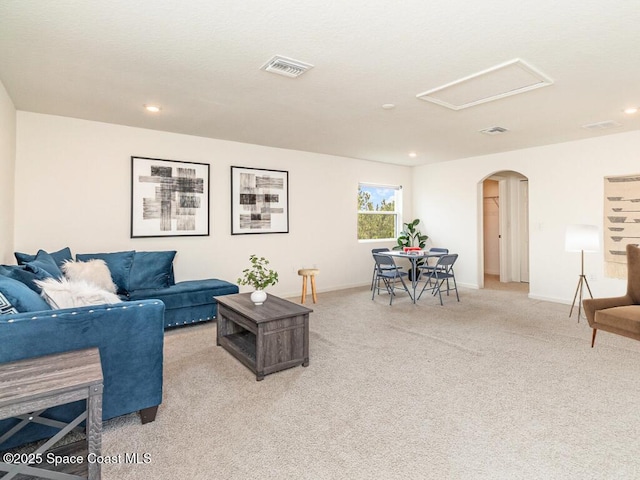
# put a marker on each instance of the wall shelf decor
(259, 201)
(169, 198)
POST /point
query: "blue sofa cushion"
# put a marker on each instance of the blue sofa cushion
(21, 297)
(151, 270)
(119, 264)
(20, 273)
(44, 261)
(187, 294)
(60, 256)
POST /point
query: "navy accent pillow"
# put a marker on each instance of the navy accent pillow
(59, 257)
(20, 273)
(44, 261)
(151, 270)
(21, 297)
(119, 264)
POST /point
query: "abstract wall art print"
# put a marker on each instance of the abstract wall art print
(169, 198)
(259, 201)
(621, 221)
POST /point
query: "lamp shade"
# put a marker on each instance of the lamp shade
(582, 238)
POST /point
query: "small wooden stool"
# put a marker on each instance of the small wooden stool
(306, 273)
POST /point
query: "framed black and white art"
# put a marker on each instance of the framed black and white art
(259, 201)
(169, 198)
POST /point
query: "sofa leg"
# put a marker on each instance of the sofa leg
(148, 415)
(593, 338)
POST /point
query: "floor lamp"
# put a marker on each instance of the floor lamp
(581, 238)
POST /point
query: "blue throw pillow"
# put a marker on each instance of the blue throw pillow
(151, 270)
(59, 257)
(20, 273)
(21, 297)
(119, 264)
(44, 261)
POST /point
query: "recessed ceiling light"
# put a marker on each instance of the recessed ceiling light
(413, 154)
(388, 106)
(631, 110)
(152, 108)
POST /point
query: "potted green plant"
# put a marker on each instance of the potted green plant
(410, 236)
(258, 276)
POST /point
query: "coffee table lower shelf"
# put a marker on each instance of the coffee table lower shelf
(242, 344)
(266, 338)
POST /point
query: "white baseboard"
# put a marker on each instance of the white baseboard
(334, 288)
(550, 299)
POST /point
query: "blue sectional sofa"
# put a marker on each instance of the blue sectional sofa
(129, 335)
(138, 276)
(130, 338)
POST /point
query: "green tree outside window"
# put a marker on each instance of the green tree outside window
(377, 215)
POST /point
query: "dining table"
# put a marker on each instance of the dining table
(414, 256)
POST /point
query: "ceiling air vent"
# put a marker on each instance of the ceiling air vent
(602, 125)
(494, 130)
(286, 66)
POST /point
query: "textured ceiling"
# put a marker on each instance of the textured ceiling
(201, 61)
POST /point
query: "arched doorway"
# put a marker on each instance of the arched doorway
(504, 230)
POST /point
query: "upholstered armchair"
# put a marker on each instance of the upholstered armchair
(619, 315)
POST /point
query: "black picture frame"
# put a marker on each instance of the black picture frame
(169, 198)
(259, 201)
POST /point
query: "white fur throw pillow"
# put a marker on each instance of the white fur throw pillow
(65, 293)
(93, 271)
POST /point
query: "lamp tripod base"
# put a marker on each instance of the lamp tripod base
(582, 281)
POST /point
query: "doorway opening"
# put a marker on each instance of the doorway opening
(504, 232)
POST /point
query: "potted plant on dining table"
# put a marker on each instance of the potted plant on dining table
(411, 237)
(258, 276)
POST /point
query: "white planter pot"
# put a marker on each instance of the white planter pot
(258, 297)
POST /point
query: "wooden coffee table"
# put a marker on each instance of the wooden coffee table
(266, 338)
(30, 386)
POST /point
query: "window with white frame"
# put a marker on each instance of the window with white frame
(379, 208)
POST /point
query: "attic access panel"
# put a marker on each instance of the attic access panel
(504, 80)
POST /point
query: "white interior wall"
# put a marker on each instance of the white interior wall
(566, 184)
(73, 188)
(7, 171)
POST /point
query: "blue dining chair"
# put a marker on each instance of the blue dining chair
(389, 273)
(440, 275)
(373, 252)
(436, 250)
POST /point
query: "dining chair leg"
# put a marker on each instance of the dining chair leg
(593, 338)
(424, 287)
(373, 277)
(373, 289)
(440, 291)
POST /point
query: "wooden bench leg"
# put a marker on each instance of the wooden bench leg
(313, 288)
(304, 288)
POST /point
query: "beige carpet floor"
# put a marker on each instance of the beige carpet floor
(497, 386)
